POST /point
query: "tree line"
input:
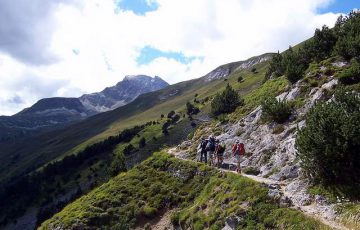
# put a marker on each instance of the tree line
(343, 40)
(16, 196)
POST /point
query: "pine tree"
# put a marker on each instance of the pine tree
(225, 102)
(329, 145)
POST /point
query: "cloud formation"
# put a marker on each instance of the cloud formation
(67, 48)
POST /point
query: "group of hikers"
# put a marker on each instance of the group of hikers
(212, 151)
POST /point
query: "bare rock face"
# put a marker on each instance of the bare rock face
(122, 93)
(225, 70)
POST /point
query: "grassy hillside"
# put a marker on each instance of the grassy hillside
(29, 154)
(34, 154)
(201, 197)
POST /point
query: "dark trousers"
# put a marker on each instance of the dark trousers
(203, 155)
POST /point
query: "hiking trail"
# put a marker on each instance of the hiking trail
(311, 210)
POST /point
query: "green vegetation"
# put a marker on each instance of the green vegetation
(276, 110)
(347, 29)
(142, 192)
(229, 195)
(225, 102)
(39, 186)
(270, 88)
(343, 41)
(350, 215)
(350, 75)
(191, 109)
(117, 165)
(329, 145)
(142, 142)
(204, 196)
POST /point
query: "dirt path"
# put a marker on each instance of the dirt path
(310, 210)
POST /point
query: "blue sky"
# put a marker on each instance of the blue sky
(148, 53)
(341, 6)
(139, 7)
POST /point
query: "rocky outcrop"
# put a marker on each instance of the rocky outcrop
(225, 70)
(272, 155)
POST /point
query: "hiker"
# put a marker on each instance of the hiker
(238, 150)
(220, 149)
(210, 148)
(202, 149)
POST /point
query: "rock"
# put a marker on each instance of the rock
(282, 96)
(231, 223)
(287, 172)
(320, 199)
(293, 94)
(330, 84)
(285, 202)
(297, 191)
(275, 194)
(339, 64)
(185, 145)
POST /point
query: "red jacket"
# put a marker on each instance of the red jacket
(238, 149)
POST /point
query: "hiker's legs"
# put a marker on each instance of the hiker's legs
(220, 160)
(238, 169)
(213, 158)
(209, 156)
(204, 155)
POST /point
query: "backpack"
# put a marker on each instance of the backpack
(204, 144)
(211, 145)
(239, 149)
(221, 148)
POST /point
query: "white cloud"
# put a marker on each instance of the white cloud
(108, 42)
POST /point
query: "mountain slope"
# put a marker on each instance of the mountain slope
(37, 150)
(201, 197)
(33, 153)
(50, 113)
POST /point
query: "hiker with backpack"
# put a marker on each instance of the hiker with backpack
(202, 149)
(238, 150)
(220, 149)
(210, 148)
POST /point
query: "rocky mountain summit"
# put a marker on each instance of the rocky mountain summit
(48, 113)
(122, 93)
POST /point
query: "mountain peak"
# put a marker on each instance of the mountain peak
(122, 93)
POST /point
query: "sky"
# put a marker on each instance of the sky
(65, 48)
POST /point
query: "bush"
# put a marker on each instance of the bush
(128, 149)
(276, 110)
(329, 145)
(225, 102)
(191, 109)
(117, 165)
(170, 114)
(240, 79)
(350, 75)
(142, 142)
(347, 29)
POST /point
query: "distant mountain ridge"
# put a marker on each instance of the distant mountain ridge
(226, 69)
(122, 93)
(50, 112)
